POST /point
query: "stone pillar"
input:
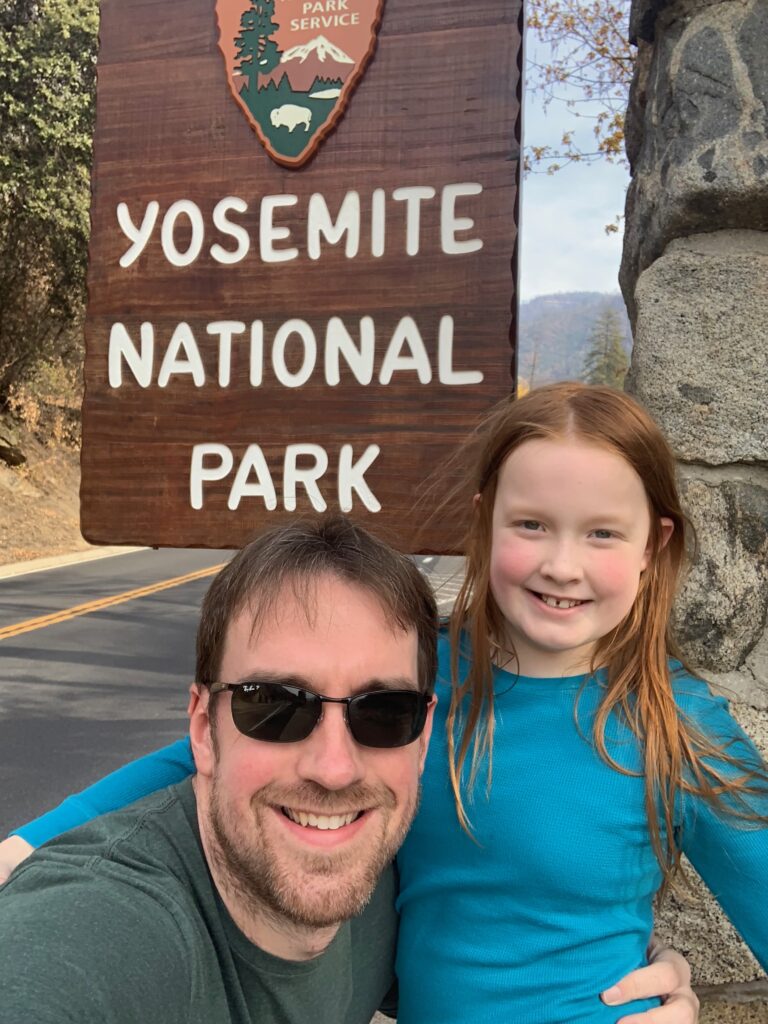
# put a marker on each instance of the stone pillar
(695, 280)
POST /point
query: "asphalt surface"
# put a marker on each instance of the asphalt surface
(80, 697)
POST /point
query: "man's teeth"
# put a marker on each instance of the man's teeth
(558, 602)
(323, 821)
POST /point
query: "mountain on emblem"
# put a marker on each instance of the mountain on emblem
(292, 66)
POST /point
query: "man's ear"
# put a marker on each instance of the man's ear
(200, 729)
(424, 738)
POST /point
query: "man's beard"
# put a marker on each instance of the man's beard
(308, 889)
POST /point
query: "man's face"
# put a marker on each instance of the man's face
(318, 870)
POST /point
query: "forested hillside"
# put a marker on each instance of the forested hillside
(557, 332)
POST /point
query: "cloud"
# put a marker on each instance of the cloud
(564, 246)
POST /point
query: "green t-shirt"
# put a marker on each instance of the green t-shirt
(119, 922)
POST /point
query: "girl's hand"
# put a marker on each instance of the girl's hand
(13, 851)
(668, 976)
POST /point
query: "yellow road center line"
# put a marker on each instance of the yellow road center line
(104, 602)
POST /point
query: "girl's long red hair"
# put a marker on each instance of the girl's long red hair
(636, 654)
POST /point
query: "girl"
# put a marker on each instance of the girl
(581, 759)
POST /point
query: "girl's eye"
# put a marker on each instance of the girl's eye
(603, 534)
(529, 524)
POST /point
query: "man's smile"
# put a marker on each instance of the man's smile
(324, 831)
(322, 821)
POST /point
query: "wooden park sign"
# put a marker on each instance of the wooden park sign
(302, 260)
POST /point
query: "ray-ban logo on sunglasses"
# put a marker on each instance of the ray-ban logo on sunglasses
(292, 66)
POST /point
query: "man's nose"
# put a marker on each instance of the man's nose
(329, 756)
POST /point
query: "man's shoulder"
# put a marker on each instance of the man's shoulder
(119, 900)
(156, 836)
(162, 819)
(148, 854)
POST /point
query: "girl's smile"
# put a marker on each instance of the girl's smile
(570, 541)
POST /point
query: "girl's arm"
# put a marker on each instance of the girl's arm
(131, 782)
(731, 854)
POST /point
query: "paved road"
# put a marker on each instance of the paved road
(81, 696)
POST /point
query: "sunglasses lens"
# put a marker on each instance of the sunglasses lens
(387, 718)
(275, 713)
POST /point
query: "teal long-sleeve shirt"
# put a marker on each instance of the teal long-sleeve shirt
(551, 902)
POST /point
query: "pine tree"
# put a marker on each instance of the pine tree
(606, 361)
(257, 53)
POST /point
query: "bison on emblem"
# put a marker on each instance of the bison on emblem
(289, 116)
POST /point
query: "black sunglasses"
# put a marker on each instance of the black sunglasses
(281, 713)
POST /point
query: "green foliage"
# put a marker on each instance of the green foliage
(47, 60)
(257, 54)
(555, 334)
(606, 362)
(47, 401)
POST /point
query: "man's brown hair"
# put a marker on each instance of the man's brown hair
(296, 556)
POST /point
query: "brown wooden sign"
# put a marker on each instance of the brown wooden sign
(301, 280)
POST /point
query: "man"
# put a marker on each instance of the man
(260, 891)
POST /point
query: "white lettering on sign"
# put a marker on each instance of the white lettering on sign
(347, 223)
(352, 478)
(412, 197)
(410, 219)
(445, 371)
(378, 221)
(320, 223)
(121, 347)
(325, 21)
(262, 487)
(406, 335)
(225, 329)
(214, 462)
(405, 353)
(307, 477)
(202, 471)
(339, 343)
(307, 337)
(182, 208)
(450, 223)
(222, 222)
(182, 357)
(138, 237)
(269, 233)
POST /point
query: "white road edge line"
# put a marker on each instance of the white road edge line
(74, 558)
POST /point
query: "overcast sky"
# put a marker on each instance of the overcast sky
(564, 244)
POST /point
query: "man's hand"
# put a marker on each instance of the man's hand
(668, 976)
(13, 851)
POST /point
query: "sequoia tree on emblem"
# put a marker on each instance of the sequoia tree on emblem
(292, 66)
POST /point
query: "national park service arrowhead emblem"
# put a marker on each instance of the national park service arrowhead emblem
(293, 65)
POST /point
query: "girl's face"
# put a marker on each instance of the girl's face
(571, 527)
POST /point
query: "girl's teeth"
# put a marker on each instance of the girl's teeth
(556, 602)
